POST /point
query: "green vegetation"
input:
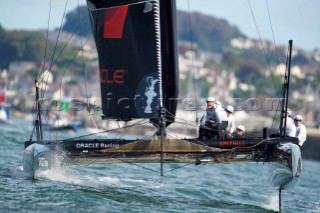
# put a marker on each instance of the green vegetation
(20, 46)
(206, 34)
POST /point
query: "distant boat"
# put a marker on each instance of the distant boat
(63, 119)
(137, 48)
(5, 110)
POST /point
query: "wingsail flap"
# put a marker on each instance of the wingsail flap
(133, 79)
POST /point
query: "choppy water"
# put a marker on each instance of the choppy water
(240, 187)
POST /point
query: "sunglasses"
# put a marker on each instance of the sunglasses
(298, 120)
(239, 130)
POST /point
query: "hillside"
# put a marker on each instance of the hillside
(227, 63)
(209, 33)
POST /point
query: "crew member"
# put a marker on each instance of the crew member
(290, 126)
(301, 132)
(221, 113)
(239, 131)
(218, 103)
(230, 117)
(209, 121)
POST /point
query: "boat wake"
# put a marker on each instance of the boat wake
(273, 202)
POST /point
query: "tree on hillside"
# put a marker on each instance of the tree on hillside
(249, 72)
(230, 60)
(21, 46)
(206, 31)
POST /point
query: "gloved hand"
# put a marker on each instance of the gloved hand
(208, 124)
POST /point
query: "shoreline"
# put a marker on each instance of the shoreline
(311, 148)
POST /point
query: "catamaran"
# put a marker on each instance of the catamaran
(137, 48)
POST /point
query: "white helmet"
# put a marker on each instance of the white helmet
(241, 127)
(288, 111)
(211, 99)
(218, 103)
(297, 117)
(229, 108)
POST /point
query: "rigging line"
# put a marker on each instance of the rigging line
(143, 167)
(276, 51)
(82, 136)
(64, 72)
(178, 168)
(82, 55)
(47, 121)
(276, 111)
(138, 123)
(122, 134)
(66, 44)
(70, 61)
(272, 31)
(47, 38)
(253, 146)
(196, 139)
(56, 44)
(45, 52)
(46, 75)
(55, 47)
(192, 62)
(170, 115)
(283, 74)
(53, 58)
(92, 162)
(263, 49)
(56, 58)
(96, 126)
(173, 134)
(150, 135)
(184, 121)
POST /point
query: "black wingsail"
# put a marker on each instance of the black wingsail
(137, 57)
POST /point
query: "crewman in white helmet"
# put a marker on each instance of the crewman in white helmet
(240, 131)
(290, 126)
(230, 117)
(209, 120)
(301, 132)
(221, 112)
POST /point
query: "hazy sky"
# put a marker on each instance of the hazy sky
(297, 20)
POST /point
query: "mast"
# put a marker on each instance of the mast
(284, 104)
(285, 94)
(167, 64)
(38, 121)
(162, 132)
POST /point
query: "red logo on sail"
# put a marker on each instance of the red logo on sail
(114, 22)
(112, 76)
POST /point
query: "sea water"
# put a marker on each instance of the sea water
(239, 187)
